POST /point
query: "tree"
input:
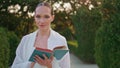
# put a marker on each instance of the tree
(15, 13)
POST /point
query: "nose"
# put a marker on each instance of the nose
(42, 20)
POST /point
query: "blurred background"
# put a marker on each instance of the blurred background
(91, 28)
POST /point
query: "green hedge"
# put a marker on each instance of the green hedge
(107, 49)
(4, 49)
(13, 41)
(9, 42)
(86, 22)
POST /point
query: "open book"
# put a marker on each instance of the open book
(57, 52)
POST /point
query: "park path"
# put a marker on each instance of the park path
(77, 63)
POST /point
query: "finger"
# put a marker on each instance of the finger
(32, 64)
(42, 61)
(45, 56)
(51, 57)
(38, 59)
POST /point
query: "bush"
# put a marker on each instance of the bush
(4, 49)
(68, 34)
(13, 41)
(10, 41)
(107, 49)
(86, 22)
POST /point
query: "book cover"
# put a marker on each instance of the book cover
(57, 53)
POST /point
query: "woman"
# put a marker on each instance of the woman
(45, 38)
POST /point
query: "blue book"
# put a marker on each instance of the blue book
(58, 53)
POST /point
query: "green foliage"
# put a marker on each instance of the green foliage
(86, 22)
(67, 33)
(107, 49)
(20, 21)
(13, 41)
(4, 49)
(9, 42)
(73, 45)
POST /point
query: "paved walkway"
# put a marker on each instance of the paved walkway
(76, 63)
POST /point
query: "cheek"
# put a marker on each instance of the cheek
(49, 22)
(35, 20)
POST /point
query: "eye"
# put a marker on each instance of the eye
(46, 16)
(37, 16)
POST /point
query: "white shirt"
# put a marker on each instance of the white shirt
(26, 47)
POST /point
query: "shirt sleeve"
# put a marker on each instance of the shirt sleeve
(65, 61)
(19, 62)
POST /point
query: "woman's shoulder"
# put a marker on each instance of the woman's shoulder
(59, 39)
(32, 34)
(57, 35)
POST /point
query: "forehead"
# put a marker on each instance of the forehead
(42, 10)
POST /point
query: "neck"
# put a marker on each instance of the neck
(44, 33)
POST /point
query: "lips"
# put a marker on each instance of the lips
(42, 25)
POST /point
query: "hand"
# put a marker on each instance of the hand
(32, 64)
(45, 62)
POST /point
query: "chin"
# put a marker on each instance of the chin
(43, 29)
